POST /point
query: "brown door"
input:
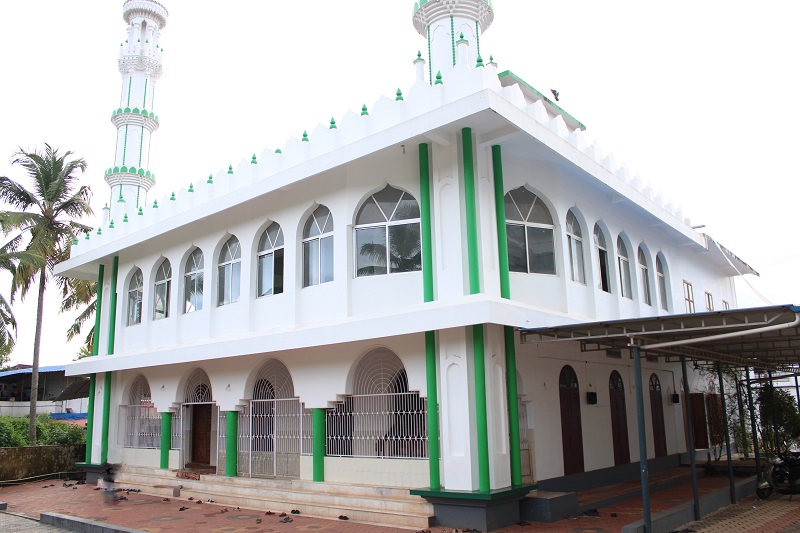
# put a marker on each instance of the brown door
(201, 434)
(571, 432)
(619, 419)
(657, 414)
(698, 406)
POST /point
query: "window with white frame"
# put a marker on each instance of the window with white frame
(709, 301)
(318, 247)
(603, 276)
(623, 264)
(270, 261)
(193, 282)
(162, 290)
(726, 305)
(644, 273)
(688, 296)
(387, 234)
(575, 242)
(135, 292)
(662, 284)
(529, 230)
(230, 272)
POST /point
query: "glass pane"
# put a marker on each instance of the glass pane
(195, 261)
(662, 292)
(387, 199)
(311, 263)
(524, 200)
(326, 259)
(512, 213)
(236, 276)
(198, 293)
(310, 229)
(659, 266)
(517, 256)
(645, 286)
(265, 273)
(277, 282)
(576, 258)
(572, 225)
(604, 277)
(160, 301)
(407, 208)
(625, 278)
(642, 258)
(622, 251)
(541, 251)
(324, 219)
(369, 213)
(275, 234)
(599, 238)
(404, 248)
(540, 214)
(223, 284)
(264, 243)
(371, 251)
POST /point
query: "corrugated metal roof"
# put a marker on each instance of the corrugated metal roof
(42, 369)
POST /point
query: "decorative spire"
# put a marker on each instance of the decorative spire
(210, 179)
(253, 160)
(230, 169)
(439, 78)
(305, 136)
(399, 96)
(333, 124)
(141, 212)
(155, 204)
(191, 187)
(172, 198)
(364, 111)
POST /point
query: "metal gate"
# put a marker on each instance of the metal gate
(270, 438)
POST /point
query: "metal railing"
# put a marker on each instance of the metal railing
(272, 435)
(142, 426)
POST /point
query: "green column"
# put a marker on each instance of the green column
(90, 419)
(500, 216)
(166, 438)
(471, 211)
(318, 446)
(479, 362)
(95, 350)
(106, 411)
(112, 320)
(112, 311)
(231, 451)
(425, 222)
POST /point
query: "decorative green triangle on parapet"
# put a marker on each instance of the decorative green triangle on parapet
(74, 241)
(364, 111)
(230, 169)
(399, 97)
(305, 136)
(333, 124)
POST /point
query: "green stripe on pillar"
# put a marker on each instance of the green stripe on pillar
(231, 433)
(166, 438)
(425, 219)
(433, 410)
(479, 362)
(106, 412)
(513, 406)
(500, 214)
(318, 446)
(90, 419)
(98, 310)
(471, 211)
(112, 311)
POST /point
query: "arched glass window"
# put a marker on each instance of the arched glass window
(624, 269)
(662, 283)
(162, 290)
(387, 234)
(135, 291)
(318, 247)
(529, 229)
(575, 241)
(270, 261)
(230, 272)
(193, 282)
(603, 277)
(645, 275)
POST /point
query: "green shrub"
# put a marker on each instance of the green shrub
(9, 437)
(14, 432)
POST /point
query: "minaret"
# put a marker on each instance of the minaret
(140, 65)
(443, 22)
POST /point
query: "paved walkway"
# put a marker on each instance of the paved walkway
(15, 524)
(778, 514)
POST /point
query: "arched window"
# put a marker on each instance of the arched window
(387, 234)
(623, 263)
(162, 290)
(575, 241)
(270, 261)
(198, 388)
(135, 290)
(193, 282)
(529, 229)
(230, 271)
(318, 247)
(645, 275)
(142, 420)
(603, 277)
(662, 283)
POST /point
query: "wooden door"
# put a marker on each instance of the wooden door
(201, 434)
(619, 419)
(699, 426)
(657, 415)
(571, 431)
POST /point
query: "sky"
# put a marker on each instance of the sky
(699, 99)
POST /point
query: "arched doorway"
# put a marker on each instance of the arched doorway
(197, 413)
(571, 430)
(657, 415)
(619, 419)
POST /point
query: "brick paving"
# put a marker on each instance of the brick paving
(17, 524)
(778, 514)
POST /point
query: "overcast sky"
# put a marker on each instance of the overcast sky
(699, 98)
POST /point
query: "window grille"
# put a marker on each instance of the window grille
(142, 420)
(177, 430)
(198, 388)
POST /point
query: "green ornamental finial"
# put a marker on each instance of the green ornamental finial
(438, 78)
(210, 179)
(278, 151)
(399, 97)
(461, 36)
(74, 241)
(125, 218)
(333, 124)
(253, 160)
(173, 196)
(140, 213)
(111, 224)
(480, 62)
(305, 136)
(87, 236)
(230, 169)
(120, 199)
(419, 54)
(364, 110)
(191, 187)
(491, 61)
(155, 204)
(99, 231)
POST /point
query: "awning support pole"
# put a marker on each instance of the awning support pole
(741, 414)
(797, 390)
(690, 428)
(774, 414)
(637, 371)
(727, 433)
(753, 426)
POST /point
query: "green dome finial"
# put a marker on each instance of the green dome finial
(125, 218)
(111, 224)
(461, 36)
(253, 160)
(278, 151)
(230, 169)
(141, 212)
(480, 62)
(75, 241)
(87, 236)
(173, 196)
(333, 124)
(99, 231)
(155, 204)
(210, 179)
(438, 78)
(305, 136)
(364, 110)
(399, 96)
(191, 187)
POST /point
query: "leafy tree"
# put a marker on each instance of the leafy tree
(79, 294)
(43, 220)
(779, 421)
(8, 325)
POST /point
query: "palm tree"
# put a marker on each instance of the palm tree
(44, 224)
(8, 325)
(79, 294)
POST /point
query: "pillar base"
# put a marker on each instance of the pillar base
(483, 511)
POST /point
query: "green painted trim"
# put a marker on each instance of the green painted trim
(130, 82)
(495, 494)
(479, 362)
(433, 410)
(500, 216)
(522, 82)
(453, 38)
(98, 310)
(471, 211)
(430, 62)
(166, 438)
(231, 452)
(106, 414)
(124, 148)
(112, 309)
(90, 418)
(478, 37)
(144, 100)
(513, 407)
(141, 147)
(427, 223)
(318, 443)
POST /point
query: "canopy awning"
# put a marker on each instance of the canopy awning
(766, 338)
(75, 390)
